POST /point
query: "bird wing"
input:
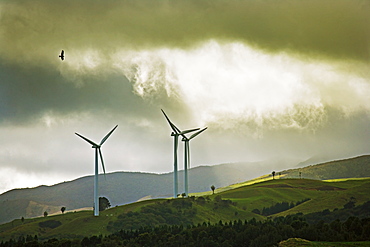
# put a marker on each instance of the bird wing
(62, 55)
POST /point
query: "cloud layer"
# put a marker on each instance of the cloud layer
(285, 78)
(234, 82)
(310, 55)
(331, 28)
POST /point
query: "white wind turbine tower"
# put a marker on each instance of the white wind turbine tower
(97, 149)
(176, 132)
(187, 157)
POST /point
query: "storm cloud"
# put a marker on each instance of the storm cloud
(334, 29)
(269, 79)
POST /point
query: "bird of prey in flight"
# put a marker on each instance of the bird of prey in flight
(62, 55)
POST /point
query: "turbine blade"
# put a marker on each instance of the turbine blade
(188, 131)
(177, 130)
(197, 133)
(106, 137)
(102, 161)
(173, 127)
(89, 141)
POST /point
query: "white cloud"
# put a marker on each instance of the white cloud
(233, 83)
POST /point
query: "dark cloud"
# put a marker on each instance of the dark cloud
(337, 29)
(28, 93)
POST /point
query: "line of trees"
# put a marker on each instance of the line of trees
(360, 211)
(278, 207)
(234, 233)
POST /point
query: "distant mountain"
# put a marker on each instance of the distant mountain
(125, 187)
(356, 167)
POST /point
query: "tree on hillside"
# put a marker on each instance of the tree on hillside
(273, 174)
(63, 209)
(256, 211)
(45, 214)
(351, 203)
(300, 175)
(213, 189)
(103, 203)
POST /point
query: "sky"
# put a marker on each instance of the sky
(269, 79)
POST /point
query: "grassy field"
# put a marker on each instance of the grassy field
(81, 223)
(255, 194)
(323, 195)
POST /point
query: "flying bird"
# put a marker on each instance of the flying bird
(62, 55)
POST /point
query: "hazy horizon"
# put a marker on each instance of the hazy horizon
(269, 79)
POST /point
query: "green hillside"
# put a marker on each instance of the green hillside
(322, 194)
(123, 187)
(356, 167)
(227, 206)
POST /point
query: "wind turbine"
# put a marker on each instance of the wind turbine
(176, 132)
(187, 157)
(97, 150)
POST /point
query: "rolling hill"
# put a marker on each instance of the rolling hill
(356, 167)
(232, 205)
(123, 187)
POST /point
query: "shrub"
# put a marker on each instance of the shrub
(50, 224)
(256, 211)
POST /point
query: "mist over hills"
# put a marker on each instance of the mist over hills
(125, 187)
